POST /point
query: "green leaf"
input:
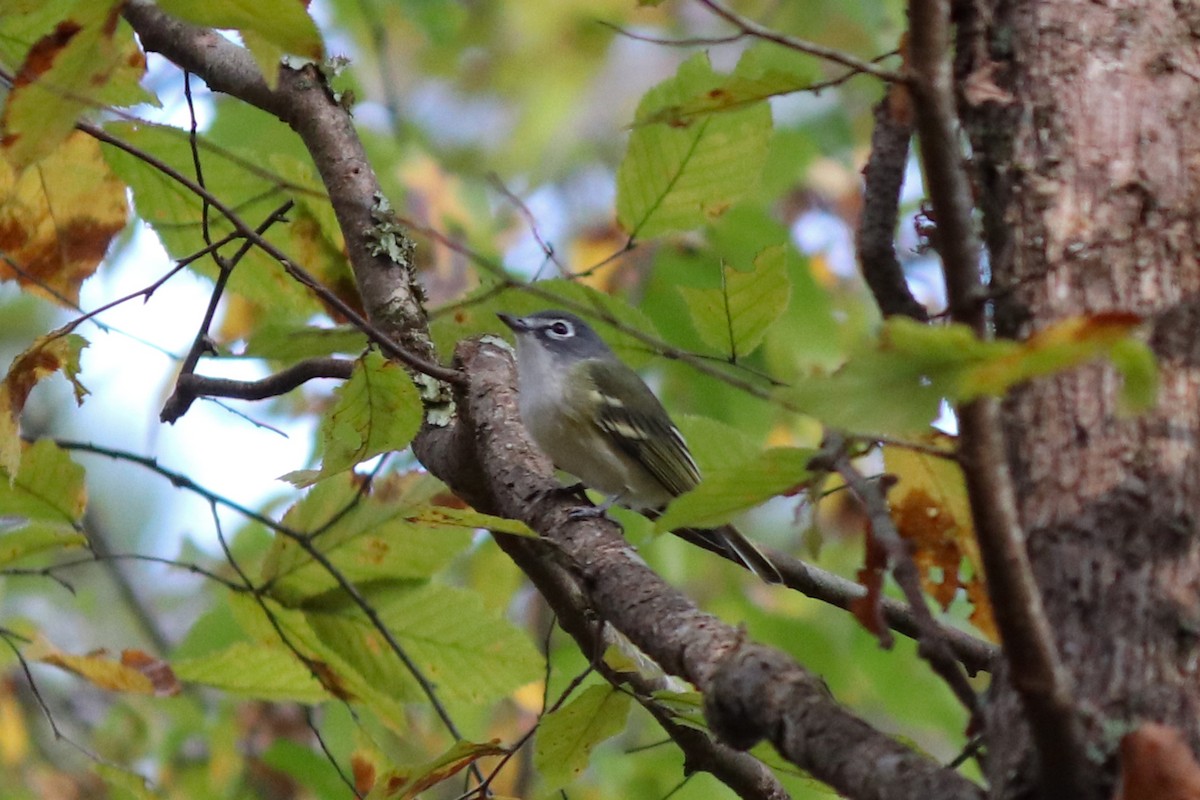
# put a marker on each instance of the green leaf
(42, 507)
(1063, 345)
(89, 59)
(287, 340)
(215, 630)
(396, 531)
(1135, 361)
(122, 784)
(764, 71)
(306, 766)
(685, 707)
(726, 491)
(715, 445)
(734, 318)
(470, 652)
(353, 661)
(378, 410)
(915, 366)
(567, 736)
(284, 23)
(270, 673)
(874, 392)
(268, 55)
(35, 539)
(676, 177)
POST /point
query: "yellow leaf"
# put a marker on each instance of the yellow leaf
(48, 354)
(14, 736)
(57, 219)
(135, 672)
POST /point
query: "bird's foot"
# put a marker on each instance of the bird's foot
(575, 490)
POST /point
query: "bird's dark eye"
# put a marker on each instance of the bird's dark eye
(560, 330)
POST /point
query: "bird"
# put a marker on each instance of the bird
(598, 420)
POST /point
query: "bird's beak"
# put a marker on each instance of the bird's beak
(517, 324)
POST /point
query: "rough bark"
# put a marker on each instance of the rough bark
(751, 691)
(1089, 178)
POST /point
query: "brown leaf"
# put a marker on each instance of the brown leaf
(99, 668)
(408, 783)
(332, 682)
(929, 528)
(931, 511)
(161, 676)
(364, 773)
(869, 609)
(42, 55)
(1157, 764)
(85, 62)
(981, 609)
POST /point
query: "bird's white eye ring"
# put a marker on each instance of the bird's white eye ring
(561, 329)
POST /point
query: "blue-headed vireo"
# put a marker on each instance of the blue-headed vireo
(598, 420)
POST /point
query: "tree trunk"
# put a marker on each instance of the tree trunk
(1089, 178)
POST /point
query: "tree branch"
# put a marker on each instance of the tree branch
(974, 654)
(386, 283)
(883, 177)
(190, 386)
(752, 691)
(743, 773)
(1037, 672)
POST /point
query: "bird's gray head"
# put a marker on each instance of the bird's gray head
(559, 334)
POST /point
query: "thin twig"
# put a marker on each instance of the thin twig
(752, 28)
(50, 571)
(381, 44)
(1037, 672)
(148, 291)
(206, 207)
(329, 756)
(200, 343)
(11, 638)
(742, 772)
(530, 220)
(191, 386)
(690, 41)
(258, 423)
(975, 654)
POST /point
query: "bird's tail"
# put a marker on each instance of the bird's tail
(728, 541)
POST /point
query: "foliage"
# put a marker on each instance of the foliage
(359, 588)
